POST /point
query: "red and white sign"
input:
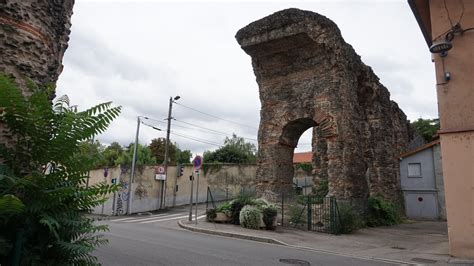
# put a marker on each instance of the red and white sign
(160, 172)
(160, 169)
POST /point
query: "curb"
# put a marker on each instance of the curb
(278, 242)
(241, 236)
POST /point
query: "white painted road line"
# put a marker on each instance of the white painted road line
(169, 219)
(135, 217)
(151, 218)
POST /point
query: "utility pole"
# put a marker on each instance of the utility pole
(165, 163)
(132, 174)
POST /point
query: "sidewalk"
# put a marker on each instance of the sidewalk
(411, 243)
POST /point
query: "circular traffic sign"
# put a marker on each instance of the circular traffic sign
(197, 162)
(160, 169)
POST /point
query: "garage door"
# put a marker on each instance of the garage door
(421, 205)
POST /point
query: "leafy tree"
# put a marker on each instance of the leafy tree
(144, 157)
(176, 155)
(235, 150)
(427, 128)
(43, 197)
(111, 154)
(183, 156)
(157, 147)
(94, 150)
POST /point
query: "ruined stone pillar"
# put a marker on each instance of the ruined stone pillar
(309, 77)
(33, 39)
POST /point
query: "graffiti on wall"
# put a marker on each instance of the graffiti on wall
(122, 198)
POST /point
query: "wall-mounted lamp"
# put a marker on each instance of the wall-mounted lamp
(441, 48)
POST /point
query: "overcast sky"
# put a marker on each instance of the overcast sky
(139, 54)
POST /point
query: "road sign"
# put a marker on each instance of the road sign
(160, 177)
(160, 169)
(197, 162)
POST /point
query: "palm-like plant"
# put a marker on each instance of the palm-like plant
(43, 196)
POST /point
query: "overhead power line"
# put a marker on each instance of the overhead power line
(200, 128)
(209, 142)
(197, 139)
(217, 117)
(159, 129)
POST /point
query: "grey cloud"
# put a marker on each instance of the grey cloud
(96, 59)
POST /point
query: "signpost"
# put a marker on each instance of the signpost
(160, 173)
(191, 178)
(197, 162)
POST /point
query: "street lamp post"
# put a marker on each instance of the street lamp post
(165, 163)
(132, 173)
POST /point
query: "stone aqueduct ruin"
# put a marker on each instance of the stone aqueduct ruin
(309, 77)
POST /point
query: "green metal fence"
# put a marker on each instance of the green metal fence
(311, 213)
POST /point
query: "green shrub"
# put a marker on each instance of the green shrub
(322, 190)
(259, 203)
(211, 214)
(381, 212)
(236, 206)
(269, 216)
(350, 219)
(225, 208)
(250, 217)
(43, 194)
(297, 214)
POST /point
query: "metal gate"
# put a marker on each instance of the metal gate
(323, 216)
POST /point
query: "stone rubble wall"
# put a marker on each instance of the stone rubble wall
(33, 39)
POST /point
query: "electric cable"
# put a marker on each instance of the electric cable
(220, 118)
(447, 12)
(185, 136)
(199, 128)
(207, 129)
(196, 139)
(159, 129)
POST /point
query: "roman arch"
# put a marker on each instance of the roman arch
(309, 77)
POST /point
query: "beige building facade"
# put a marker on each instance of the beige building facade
(448, 28)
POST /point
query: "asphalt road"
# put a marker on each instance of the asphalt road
(156, 240)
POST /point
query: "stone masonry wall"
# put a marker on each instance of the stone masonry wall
(309, 77)
(33, 38)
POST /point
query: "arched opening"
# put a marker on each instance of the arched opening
(288, 141)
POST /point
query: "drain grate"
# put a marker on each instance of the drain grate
(295, 262)
(421, 260)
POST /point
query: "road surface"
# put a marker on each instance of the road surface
(156, 240)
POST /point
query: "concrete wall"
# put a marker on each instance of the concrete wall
(456, 111)
(439, 178)
(225, 181)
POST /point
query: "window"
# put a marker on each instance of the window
(414, 170)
